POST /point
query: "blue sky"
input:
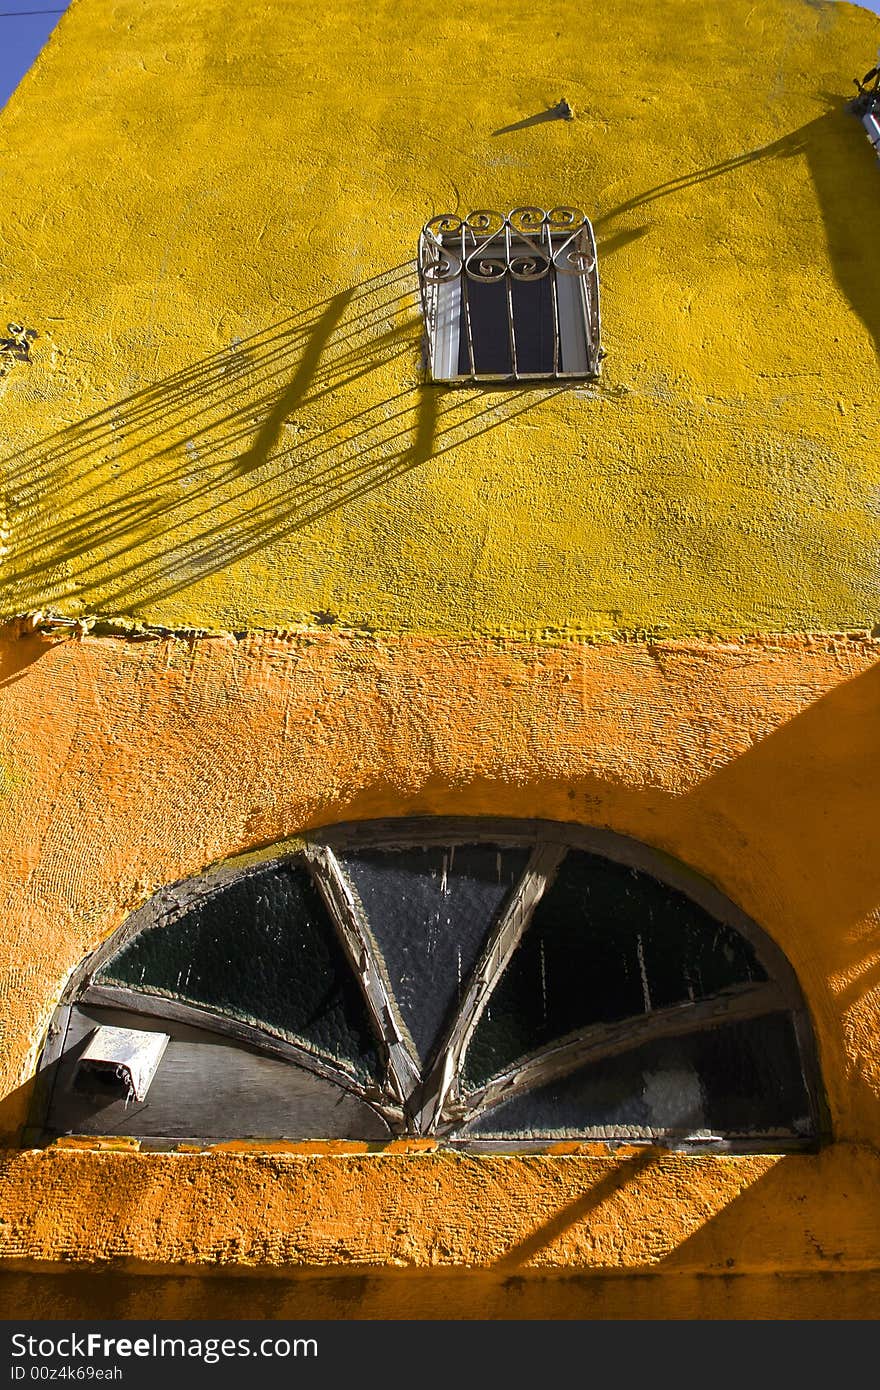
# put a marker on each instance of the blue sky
(23, 33)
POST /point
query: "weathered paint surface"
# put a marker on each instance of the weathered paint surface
(756, 763)
(222, 425)
(643, 1211)
(462, 1294)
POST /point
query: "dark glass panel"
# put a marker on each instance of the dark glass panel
(606, 942)
(534, 326)
(490, 330)
(206, 1088)
(262, 950)
(739, 1080)
(430, 911)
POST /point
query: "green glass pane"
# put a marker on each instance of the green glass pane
(262, 950)
(606, 942)
(739, 1080)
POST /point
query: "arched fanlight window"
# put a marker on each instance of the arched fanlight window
(482, 982)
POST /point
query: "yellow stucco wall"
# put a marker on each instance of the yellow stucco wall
(643, 604)
(223, 423)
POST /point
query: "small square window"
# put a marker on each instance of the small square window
(510, 298)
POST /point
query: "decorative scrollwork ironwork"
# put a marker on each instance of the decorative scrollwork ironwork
(576, 254)
(526, 245)
(16, 347)
(438, 261)
(484, 245)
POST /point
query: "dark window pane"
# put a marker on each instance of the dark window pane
(740, 1080)
(261, 950)
(534, 327)
(606, 942)
(490, 330)
(430, 911)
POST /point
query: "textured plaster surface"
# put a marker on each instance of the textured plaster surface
(646, 1210)
(223, 421)
(222, 424)
(131, 764)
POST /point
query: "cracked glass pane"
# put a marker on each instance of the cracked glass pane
(606, 942)
(430, 911)
(260, 949)
(739, 1080)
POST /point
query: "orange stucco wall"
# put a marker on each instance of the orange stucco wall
(443, 1235)
(132, 763)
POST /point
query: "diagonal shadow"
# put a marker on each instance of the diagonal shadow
(601, 1192)
(781, 1213)
(236, 452)
(269, 433)
(844, 174)
(560, 112)
(253, 443)
(807, 791)
(803, 1212)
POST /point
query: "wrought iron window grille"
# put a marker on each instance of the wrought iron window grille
(510, 297)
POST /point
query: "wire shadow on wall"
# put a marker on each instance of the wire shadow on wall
(237, 452)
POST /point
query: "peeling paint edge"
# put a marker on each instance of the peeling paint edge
(50, 623)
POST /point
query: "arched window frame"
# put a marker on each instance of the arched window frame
(433, 1103)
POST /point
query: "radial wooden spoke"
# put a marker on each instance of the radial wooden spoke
(403, 1066)
(538, 874)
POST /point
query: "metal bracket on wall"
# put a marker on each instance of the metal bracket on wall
(867, 106)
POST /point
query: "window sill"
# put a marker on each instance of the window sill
(636, 1210)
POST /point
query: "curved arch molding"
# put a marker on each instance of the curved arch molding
(134, 763)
